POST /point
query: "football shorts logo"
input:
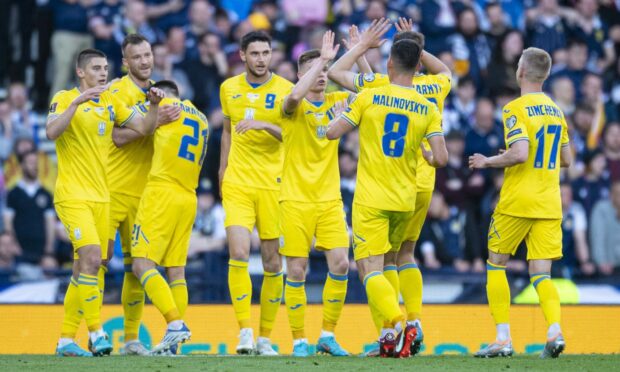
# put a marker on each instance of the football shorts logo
(511, 122)
(101, 128)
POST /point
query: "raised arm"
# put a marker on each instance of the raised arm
(328, 52)
(434, 65)
(56, 125)
(146, 125)
(340, 72)
(354, 38)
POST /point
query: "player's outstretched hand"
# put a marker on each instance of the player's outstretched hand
(338, 108)
(427, 154)
(155, 96)
(328, 49)
(371, 38)
(90, 93)
(404, 24)
(354, 37)
(167, 114)
(247, 125)
(477, 161)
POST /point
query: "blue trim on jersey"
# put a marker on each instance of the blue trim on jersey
(340, 278)
(370, 275)
(434, 134)
(407, 266)
(133, 113)
(354, 124)
(316, 103)
(295, 284)
(256, 85)
(517, 140)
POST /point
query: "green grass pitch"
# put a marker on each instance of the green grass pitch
(581, 363)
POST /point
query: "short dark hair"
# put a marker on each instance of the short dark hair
(168, 86)
(133, 39)
(22, 157)
(254, 36)
(405, 54)
(86, 55)
(307, 56)
(418, 37)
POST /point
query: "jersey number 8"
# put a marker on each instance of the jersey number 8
(395, 128)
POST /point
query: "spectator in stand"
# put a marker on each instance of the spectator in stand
(590, 28)
(29, 217)
(463, 188)
(176, 45)
(163, 69)
(135, 21)
(208, 234)
(486, 136)
(471, 49)
(583, 119)
(503, 69)
(200, 22)
(594, 184)
(605, 233)
(167, 13)
(48, 169)
(575, 69)
(499, 24)
(575, 248)
(207, 72)
(7, 136)
(442, 240)
(16, 58)
(26, 122)
(103, 20)
(563, 93)
(612, 88)
(348, 171)
(287, 70)
(545, 27)
(611, 147)
(460, 108)
(438, 22)
(70, 37)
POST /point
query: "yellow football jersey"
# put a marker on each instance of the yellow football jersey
(128, 166)
(255, 157)
(435, 88)
(392, 121)
(310, 172)
(180, 147)
(532, 189)
(84, 146)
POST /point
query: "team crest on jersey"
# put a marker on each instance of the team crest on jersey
(321, 131)
(53, 107)
(253, 97)
(511, 121)
(249, 114)
(101, 128)
(41, 201)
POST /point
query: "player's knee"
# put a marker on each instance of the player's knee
(498, 258)
(340, 266)
(273, 264)
(296, 272)
(90, 263)
(389, 259)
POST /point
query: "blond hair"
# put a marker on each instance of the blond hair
(535, 64)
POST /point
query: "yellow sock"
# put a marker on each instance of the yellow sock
(381, 294)
(101, 281)
(270, 298)
(334, 294)
(88, 290)
(295, 299)
(156, 287)
(73, 314)
(132, 298)
(377, 318)
(412, 292)
(240, 287)
(498, 293)
(548, 296)
(391, 274)
(179, 293)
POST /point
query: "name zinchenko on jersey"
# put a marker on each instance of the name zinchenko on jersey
(540, 110)
(400, 103)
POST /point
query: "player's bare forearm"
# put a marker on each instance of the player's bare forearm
(123, 136)
(337, 128)
(566, 157)
(59, 124)
(303, 86)
(363, 66)
(150, 120)
(434, 65)
(274, 130)
(340, 71)
(439, 154)
(225, 149)
(516, 154)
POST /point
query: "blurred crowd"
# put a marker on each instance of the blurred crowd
(195, 43)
